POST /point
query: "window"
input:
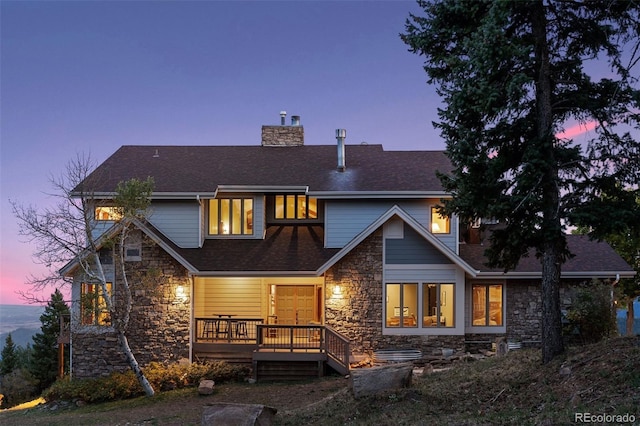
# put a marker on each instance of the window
(419, 305)
(437, 305)
(402, 305)
(133, 247)
(94, 307)
(104, 213)
(439, 224)
(487, 304)
(296, 207)
(231, 216)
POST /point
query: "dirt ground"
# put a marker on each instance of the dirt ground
(184, 407)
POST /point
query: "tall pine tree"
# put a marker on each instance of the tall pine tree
(512, 75)
(44, 364)
(9, 360)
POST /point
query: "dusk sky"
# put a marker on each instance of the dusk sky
(88, 77)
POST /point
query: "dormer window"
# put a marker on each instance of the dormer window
(104, 213)
(231, 216)
(296, 207)
(439, 224)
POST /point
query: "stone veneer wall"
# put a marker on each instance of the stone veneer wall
(524, 308)
(158, 329)
(282, 135)
(357, 313)
(524, 314)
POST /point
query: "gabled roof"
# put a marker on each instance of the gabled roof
(202, 169)
(397, 211)
(592, 259)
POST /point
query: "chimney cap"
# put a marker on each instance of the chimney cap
(341, 133)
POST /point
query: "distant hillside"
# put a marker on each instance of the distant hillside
(21, 321)
(20, 336)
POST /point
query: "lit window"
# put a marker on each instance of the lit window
(487, 304)
(108, 213)
(296, 207)
(94, 307)
(402, 305)
(437, 305)
(439, 224)
(231, 216)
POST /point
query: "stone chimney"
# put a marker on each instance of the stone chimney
(284, 135)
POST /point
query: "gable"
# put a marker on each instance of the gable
(412, 249)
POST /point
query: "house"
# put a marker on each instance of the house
(285, 252)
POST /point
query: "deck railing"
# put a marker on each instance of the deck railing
(338, 351)
(227, 330)
(291, 337)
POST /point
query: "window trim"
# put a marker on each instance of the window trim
(420, 329)
(285, 217)
(246, 217)
(435, 224)
(486, 285)
(100, 315)
(112, 214)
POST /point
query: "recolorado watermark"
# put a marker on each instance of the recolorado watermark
(603, 418)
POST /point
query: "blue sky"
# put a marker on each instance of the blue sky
(88, 77)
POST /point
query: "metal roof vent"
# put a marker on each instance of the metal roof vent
(156, 154)
(295, 120)
(340, 135)
(283, 116)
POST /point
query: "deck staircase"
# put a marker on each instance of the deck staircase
(281, 352)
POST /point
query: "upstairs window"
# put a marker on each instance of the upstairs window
(296, 207)
(231, 216)
(94, 307)
(104, 213)
(439, 224)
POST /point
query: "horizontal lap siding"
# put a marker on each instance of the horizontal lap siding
(346, 219)
(413, 249)
(425, 275)
(230, 296)
(179, 221)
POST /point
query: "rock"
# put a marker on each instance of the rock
(502, 347)
(229, 414)
(428, 369)
(565, 370)
(371, 381)
(206, 387)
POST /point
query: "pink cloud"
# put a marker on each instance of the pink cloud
(577, 130)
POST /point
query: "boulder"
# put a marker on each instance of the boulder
(206, 387)
(229, 414)
(371, 381)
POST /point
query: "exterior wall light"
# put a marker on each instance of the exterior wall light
(181, 295)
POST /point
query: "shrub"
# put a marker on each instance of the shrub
(125, 385)
(591, 316)
(17, 387)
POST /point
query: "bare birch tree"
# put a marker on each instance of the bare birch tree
(67, 232)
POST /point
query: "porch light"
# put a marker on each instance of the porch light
(337, 290)
(181, 295)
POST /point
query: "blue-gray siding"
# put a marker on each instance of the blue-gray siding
(346, 219)
(179, 221)
(413, 249)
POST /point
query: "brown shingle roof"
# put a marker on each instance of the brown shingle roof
(200, 169)
(284, 248)
(589, 255)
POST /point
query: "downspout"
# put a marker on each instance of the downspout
(613, 284)
(200, 223)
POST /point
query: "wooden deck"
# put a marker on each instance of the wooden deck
(274, 351)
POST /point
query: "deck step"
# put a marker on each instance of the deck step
(284, 370)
